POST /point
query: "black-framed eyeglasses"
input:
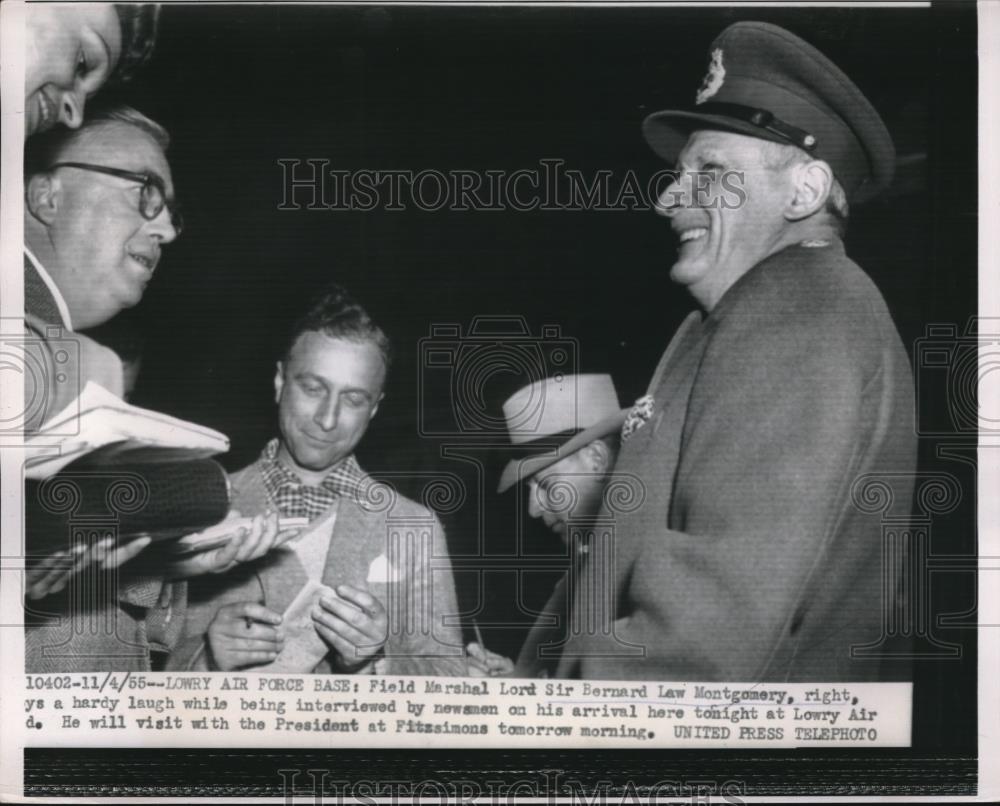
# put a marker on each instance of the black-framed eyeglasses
(152, 197)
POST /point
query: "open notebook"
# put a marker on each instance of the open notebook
(97, 419)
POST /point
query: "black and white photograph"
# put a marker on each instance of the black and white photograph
(480, 402)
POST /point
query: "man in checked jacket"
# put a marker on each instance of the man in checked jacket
(381, 558)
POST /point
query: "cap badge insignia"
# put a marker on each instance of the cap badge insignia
(713, 78)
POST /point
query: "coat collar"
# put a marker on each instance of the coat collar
(751, 280)
(42, 297)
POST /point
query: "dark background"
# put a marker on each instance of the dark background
(415, 88)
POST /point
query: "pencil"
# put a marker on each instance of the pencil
(479, 634)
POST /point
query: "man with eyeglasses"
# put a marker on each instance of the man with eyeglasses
(98, 212)
(95, 221)
(99, 209)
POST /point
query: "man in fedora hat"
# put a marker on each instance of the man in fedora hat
(787, 387)
(566, 431)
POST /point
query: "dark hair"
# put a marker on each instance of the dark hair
(338, 315)
(139, 24)
(44, 149)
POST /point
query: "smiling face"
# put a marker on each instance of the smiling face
(70, 51)
(327, 390)
(728, 209)
(97, 246)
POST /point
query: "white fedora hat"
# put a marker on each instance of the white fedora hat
(568, 412)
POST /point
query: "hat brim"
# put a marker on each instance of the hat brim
(667, 131)
(521, 468)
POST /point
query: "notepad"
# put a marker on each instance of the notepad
(303, 646)
(98, 419)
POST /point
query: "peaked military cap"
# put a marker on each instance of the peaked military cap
(765, 82)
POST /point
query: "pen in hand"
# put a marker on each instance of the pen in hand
(482, 662)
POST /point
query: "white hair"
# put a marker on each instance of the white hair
(779, 155)
(44, 149)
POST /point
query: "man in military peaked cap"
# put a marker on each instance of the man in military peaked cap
(778, 396)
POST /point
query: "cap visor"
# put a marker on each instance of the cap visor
(668, 131)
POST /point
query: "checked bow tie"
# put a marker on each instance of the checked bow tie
(297, 500)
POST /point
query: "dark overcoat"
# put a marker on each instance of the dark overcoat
(750, 557)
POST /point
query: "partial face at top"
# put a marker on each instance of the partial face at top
(101, 251)
(570, 488)
(327, 390)
(734, 222)
(70, 51)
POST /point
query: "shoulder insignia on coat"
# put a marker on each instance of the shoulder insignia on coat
(638, 416)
